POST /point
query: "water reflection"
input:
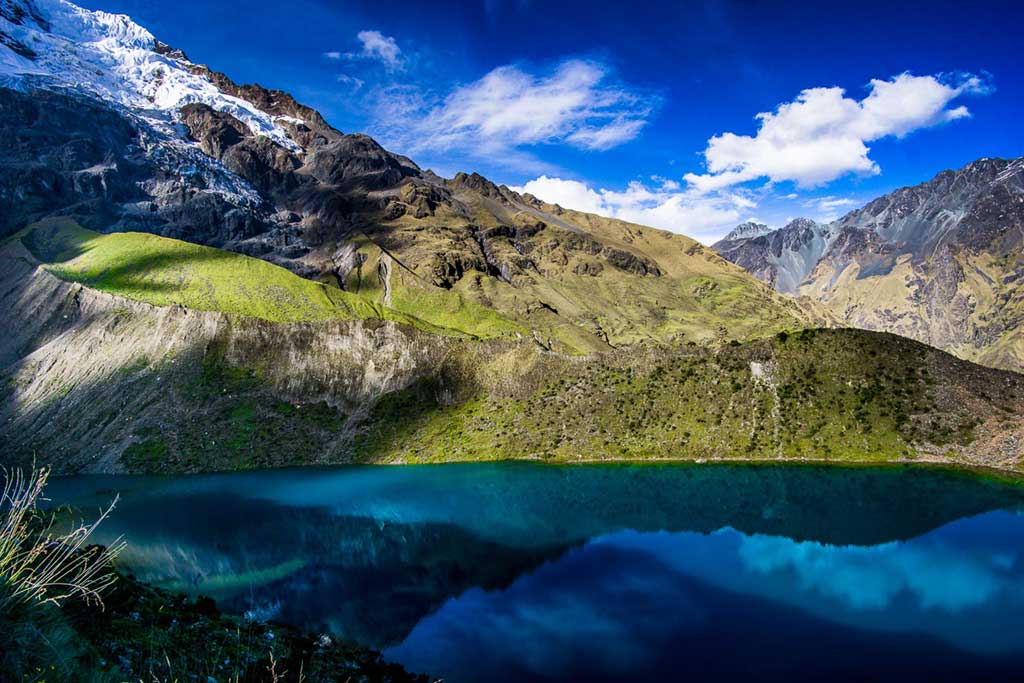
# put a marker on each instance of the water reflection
(512, 572)
(683, 606)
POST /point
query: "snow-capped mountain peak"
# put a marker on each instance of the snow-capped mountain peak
(54, 44)
(746, 231)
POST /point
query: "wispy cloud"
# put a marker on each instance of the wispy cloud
(375, 47)
(828, 203)
(383, 48)
(705, 217)
(827, 208)
(354, 83)
(576, 104)
(822, 135)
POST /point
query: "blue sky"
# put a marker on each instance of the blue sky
(642, 110)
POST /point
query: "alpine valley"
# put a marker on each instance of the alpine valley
(200, 275)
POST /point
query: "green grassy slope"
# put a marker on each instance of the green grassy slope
(403, 291)
(699, 298)
(831, 395)
(211, 402)
(164, 272)
(819, 394)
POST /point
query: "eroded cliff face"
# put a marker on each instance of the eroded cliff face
(88, 374)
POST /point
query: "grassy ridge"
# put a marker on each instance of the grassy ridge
(165, 272)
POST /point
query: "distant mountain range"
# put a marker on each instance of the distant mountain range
(941, 262)
(197, 274)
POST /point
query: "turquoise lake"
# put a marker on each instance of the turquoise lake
(521, 572)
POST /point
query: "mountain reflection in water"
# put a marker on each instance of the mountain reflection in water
(522, 572)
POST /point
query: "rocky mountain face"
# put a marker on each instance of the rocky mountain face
(746, 230)
(103, 123)
(783, 258)
(941, 262)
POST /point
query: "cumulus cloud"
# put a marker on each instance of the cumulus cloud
(822, 134)
(575, 104)
(705, 217)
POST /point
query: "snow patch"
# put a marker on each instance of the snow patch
(112, 57)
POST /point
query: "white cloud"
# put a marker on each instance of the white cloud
(375, 47)
(828, 203)
(383, 48)
(509, 108)
(828, 208)
(701, 216)
(822, 135)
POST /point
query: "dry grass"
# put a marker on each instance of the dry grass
(40, 564)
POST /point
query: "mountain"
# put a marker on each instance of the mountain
(203, 275)
(941, 262)
(102, 123)
(747, 230)
(783, 258)
(96, 378)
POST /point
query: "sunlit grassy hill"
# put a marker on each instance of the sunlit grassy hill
(168, 272)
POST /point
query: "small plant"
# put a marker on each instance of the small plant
(38, 563)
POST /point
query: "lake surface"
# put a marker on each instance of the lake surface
(520, 572)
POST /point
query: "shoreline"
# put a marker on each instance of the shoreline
(1015, 476)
